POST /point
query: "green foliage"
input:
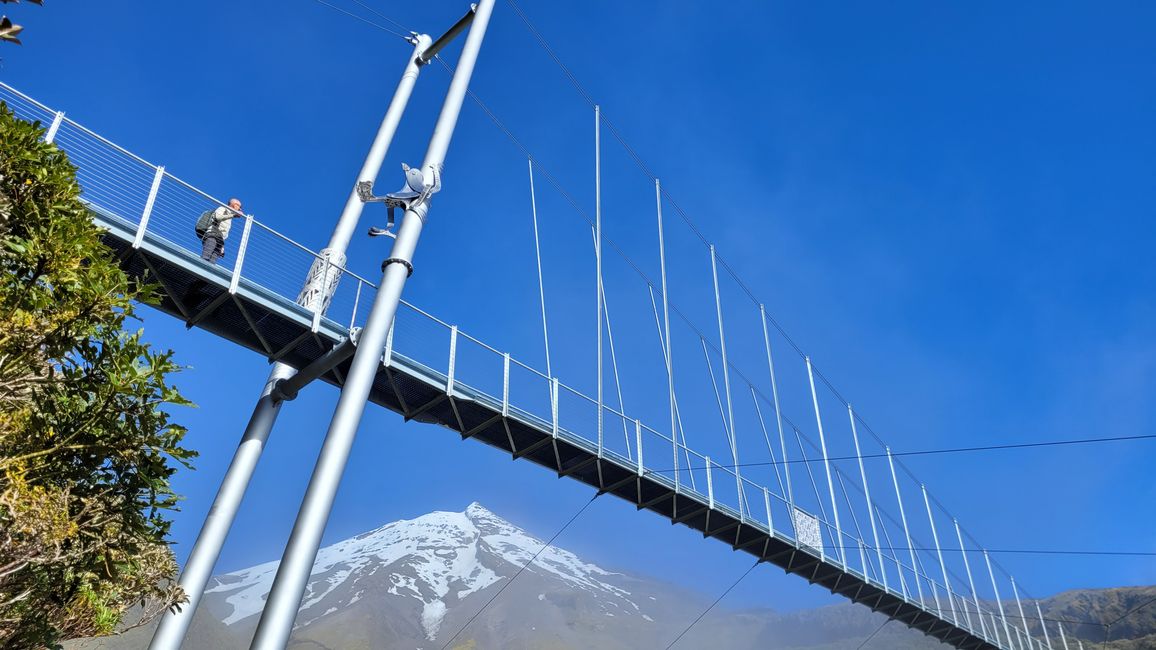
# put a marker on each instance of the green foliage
(86, 446)
(9, 31)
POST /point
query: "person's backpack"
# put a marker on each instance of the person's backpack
(204, 222)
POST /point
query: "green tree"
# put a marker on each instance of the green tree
(8, 30)
(87, 448)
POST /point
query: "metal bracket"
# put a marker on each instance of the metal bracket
(398, 260)
(417, 191)
(287, 389)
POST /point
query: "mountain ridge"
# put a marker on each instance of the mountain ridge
(417, 582)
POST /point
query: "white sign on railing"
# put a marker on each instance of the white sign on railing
(807, 529)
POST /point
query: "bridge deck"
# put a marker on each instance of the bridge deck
(251, 300)
(280, 329)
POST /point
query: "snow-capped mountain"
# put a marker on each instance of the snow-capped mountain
(419, 584)
(437, 560)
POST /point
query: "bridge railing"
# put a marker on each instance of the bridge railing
(154, 205)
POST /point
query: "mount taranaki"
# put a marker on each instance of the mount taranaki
(415, 583)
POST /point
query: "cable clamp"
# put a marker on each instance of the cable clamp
(398, 260)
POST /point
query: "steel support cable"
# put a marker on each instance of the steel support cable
(742, 493)
(894, 554)
(854, 520)
(871, 510)
(1036, 618)
(767, 438)
(999, 566)
(849, 479)
(383, 16)
(582, 213)
(78, 144)
(546, 46)
(598, 268)
(648, 172)
(996, 563)
(632, 153)
(557, 185)
(28, 105)
(979, 546)
(614, 367)
(718, 400)
(365, 20)
(664, 338)
(674, 400)
(858, 418)
(614, 360)
(880, 516)
(1032, 551)
(884, 516)
(1108, 626)
(838, 472)
(613, 245)
(67, 125)
(730, 436)
(105, 168)
(521, 569)
(951, 572)
(922, 572)
(887, 537)
(678, 209)
(872, 635)
(722, 339)
(538, 258)
(811, 475)
(951, 450)
(1009, 576)
(712, 606)
(132, 170)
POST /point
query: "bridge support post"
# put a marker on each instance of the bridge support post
(790, 495)
(1063, 638)
(906, 530)
(842, 554)
(1044, 627)
(199, 567)
(50, 135)
(867, 497)
(970, 582)
(1020, 607)
(148, 208)
(297, 562)
(598, 268)
(665, 340)
(998, 602)
(730, 420)
(939, 554)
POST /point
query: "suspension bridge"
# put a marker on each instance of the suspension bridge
(780, 474)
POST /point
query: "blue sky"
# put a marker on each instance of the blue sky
(949, 208)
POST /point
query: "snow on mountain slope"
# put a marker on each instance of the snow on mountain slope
(513, 545)
(434, 558)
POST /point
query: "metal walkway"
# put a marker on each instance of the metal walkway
(251, 299)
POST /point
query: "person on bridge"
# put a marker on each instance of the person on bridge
(217, 231)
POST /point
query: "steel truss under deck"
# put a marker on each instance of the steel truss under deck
(282, 330)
